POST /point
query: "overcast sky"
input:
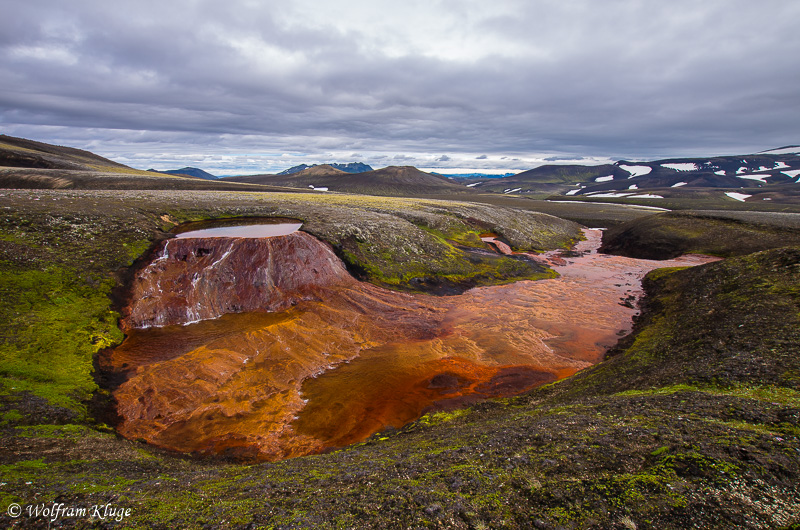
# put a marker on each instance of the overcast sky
(248, 86)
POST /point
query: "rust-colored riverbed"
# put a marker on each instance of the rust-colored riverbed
(349, 359)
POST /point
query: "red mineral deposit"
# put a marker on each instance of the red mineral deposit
(267, 348)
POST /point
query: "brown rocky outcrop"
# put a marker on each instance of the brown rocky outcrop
(202, 278)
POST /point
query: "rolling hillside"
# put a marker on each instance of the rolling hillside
(187, 172)
(19, 152)
(27, 164)
(753, 173)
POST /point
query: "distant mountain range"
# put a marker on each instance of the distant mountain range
(769, 175)
(352, 167)
(772, 175)
(188, 172)
(398, 181)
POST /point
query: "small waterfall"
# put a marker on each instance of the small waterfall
(195, 279)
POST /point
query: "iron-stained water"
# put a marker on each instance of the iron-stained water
(356, 358)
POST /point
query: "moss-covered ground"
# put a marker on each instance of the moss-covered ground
(693, 422)
(719, 233)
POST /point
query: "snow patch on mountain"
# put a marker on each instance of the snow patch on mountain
(759, 178)
(637, 171)
(737, 196)
(608, 195)
(681, 166)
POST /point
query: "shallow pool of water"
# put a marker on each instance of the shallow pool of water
(252, 231)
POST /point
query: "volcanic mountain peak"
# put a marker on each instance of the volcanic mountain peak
(187, 171)
(396, 181)
(322, 170)
(406, 173)
(351, 167)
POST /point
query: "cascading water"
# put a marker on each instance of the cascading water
(201, 278)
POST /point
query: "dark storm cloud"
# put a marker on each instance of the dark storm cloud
(614, 79)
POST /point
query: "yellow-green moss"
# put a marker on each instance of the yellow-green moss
(59, 321)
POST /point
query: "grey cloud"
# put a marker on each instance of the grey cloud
(563, 159)
(635, 79)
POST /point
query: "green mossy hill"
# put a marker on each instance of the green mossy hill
(53, 323)
(62, 253)
(434, 246)
(717, 233)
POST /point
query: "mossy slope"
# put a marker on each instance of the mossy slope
(668, 235)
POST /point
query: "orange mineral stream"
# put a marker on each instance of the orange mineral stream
(343, 359)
